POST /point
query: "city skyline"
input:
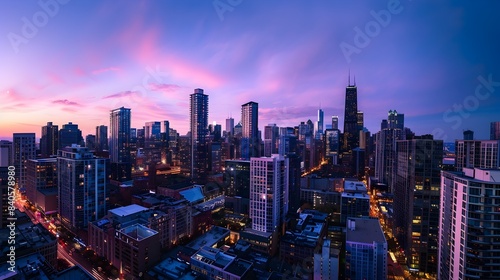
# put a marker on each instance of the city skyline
(82, 60)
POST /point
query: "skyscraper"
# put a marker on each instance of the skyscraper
(469, 231)
(495, 131)
(119, 144)
(395, 120)
(271, 135)
(416, 201)
(24, 150)
(319, 124)
(230, 126)
(335, 122)
(250, 143)
(101, 138)
(199, 131)
(385, 149)
(49, 142)
(82, 187)
(152, 130)
(268, 192)
(70, 134)
(119, 135)
(351, 118)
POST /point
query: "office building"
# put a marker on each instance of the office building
(41, 184)
(101, 138)
(49, 142)
(152, 131)
(351, 133)
(24, 149)
(229, 126)
(199, 125)
(385, 149)
(69, 135)
(250, 142)
(320, 124)
(469, 231)
(271, 137)
(495, 131)
(335, 122)
(395, 120)
(416, 201)
(82, 187)
(366, 250)
(119, 144)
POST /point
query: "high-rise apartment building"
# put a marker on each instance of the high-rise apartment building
(82, 186)
(416, 201)
(250, 142)
(469, 233)
(199, 131)
(366, 250)
(268, 192)
(49, 142)
(24, 149)
(477, 153)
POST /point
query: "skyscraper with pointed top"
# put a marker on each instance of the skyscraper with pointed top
(351, 130)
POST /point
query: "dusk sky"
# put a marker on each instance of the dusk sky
(74, 61)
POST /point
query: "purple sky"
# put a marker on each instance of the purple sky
(77, 60)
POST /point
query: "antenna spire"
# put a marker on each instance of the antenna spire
(354, 80)
(349, 78)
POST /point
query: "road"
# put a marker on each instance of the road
(63, 252)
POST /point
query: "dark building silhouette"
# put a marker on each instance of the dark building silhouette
(101, 138)
(70, 134)
(49, 142)
(119, 149)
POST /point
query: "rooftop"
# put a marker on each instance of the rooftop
(364, 230)
(172, 269)
(210, 238)
(193, 195)
(138, 232)
(354, 186)
(127, 210)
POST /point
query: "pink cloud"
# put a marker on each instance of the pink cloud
(104, 70)
(65, 102)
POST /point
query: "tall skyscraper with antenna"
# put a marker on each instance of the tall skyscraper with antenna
(351, 131)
